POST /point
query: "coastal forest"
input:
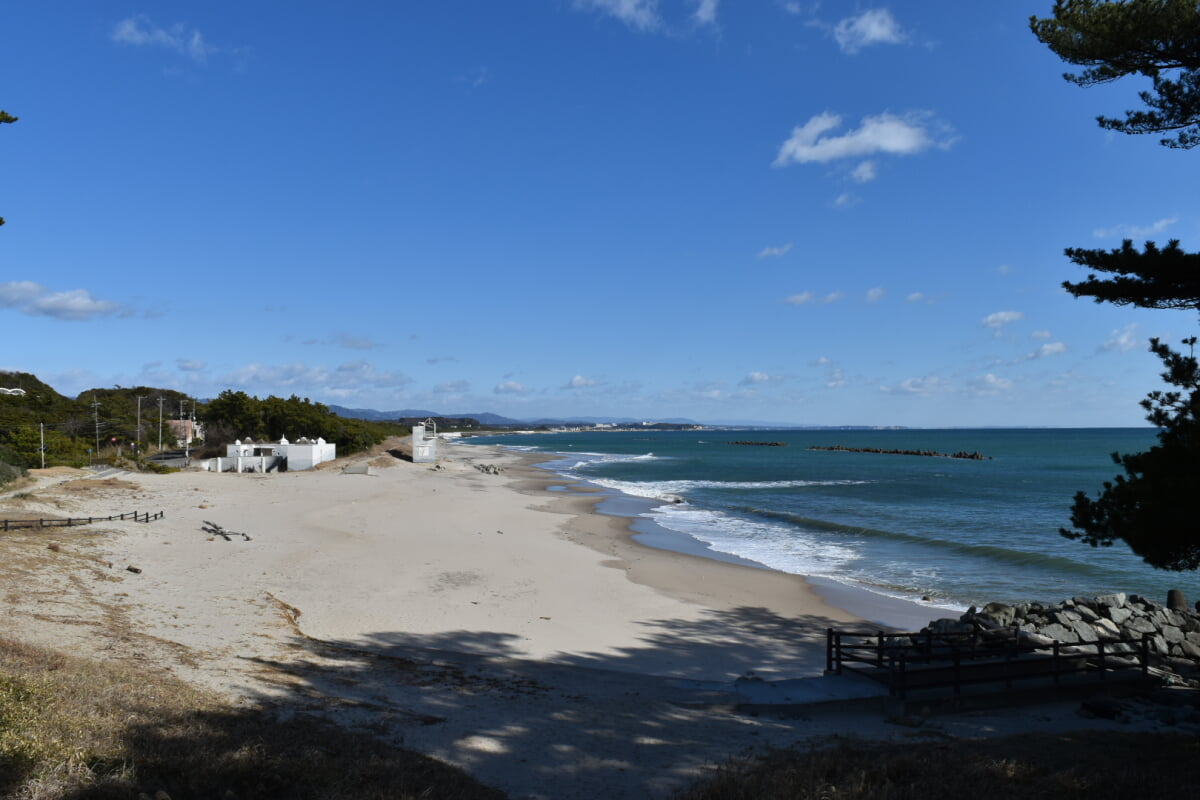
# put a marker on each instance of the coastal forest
(127, 424)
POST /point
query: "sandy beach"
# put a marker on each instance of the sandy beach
(472, 615)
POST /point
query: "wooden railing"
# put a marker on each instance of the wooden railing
(907, 661)
(136, 516)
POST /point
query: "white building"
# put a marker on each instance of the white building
(251, 456)
(424, 442)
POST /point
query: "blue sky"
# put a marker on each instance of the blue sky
(797, 212)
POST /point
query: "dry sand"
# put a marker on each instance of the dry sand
(473, 616)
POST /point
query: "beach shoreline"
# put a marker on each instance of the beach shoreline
(465, 609)
(448, 559)
(862, 604)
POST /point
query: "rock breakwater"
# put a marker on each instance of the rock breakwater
(1172, 633)
(975, 456)
(758, 444)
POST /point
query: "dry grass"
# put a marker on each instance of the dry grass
(92, 484)
(72, 728)
(1084, 765)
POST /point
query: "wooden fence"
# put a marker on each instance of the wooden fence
(908, 661)
(18, 524)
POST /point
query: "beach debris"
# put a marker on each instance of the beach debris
(216, 530)
(489, 469)
(134, 570)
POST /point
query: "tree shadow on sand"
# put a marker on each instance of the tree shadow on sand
(638, 721)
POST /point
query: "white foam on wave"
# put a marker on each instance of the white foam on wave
(779, 547)
(681, 488)
(571, 464)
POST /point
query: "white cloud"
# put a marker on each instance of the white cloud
(640, 15)
(865, 172)
(1001, 318)
(580, 382)
(189, 365)
(822, 361)
(915, 297)
(511, 387)
(311, 379)
(754, 378)
(775, 252)
(845, 200)
(1134, 231)
(1040, 335)
(706, 11)
(139, 31)
(991, 384)
(1051, 349)
(874, 295)
(886, 133)
(836, 378)
(1046, 350)
(38, 301)
(921, 386)
(354, 342)
(875, 26)
(1121, 341)
(452, 387)
(808, 298)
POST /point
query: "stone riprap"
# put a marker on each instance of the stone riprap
(1173, 634)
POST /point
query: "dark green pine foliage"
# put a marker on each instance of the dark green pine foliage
(1166, 278)
(1156, 39)
(1152, 507)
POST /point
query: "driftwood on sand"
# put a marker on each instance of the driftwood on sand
(216, 530)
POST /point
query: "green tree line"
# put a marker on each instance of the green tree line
(102, 425)
(237, 415)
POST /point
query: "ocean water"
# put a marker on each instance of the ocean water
(959, 532)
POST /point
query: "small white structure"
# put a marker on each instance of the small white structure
(424, 442)
(249, 456)
(306, 454)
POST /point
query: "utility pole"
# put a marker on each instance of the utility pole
(139, 427)
(160, 423)
(184, 428)
(96, 416)
(42, 444)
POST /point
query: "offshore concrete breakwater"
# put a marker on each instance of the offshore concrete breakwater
(758, 444)
(975, 456)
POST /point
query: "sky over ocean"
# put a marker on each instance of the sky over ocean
(793, 212)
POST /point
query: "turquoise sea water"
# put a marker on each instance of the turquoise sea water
(961, 532)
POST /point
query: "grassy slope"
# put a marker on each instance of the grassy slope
(73, 728)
